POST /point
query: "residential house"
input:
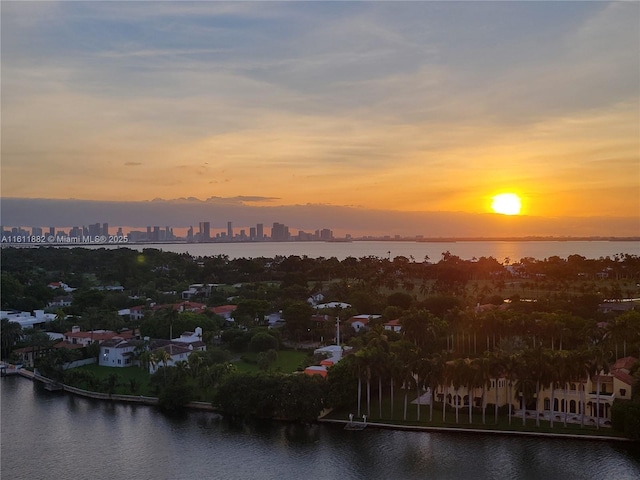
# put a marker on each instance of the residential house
(177, 352)
(359, 322)
(118, 352)
(135, 313)
(613, 385)
(26, 320)
(340, 305)
(332, 353)
(76, 336)
(62, 285)
(61, 301)
(315, 298)
(198, 290)
(393, 325)
(225, 311)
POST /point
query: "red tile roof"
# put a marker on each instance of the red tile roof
(224, 309)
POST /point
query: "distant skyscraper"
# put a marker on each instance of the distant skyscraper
(105, 229)
(205, 231)
(95, 230)
(229, 230)
(252, 233)
(260, 231)
(326, 234)
(279, 232)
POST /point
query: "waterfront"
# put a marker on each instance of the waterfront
(500, 250)
(55, 435)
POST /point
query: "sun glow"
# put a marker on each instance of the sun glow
(506, 204)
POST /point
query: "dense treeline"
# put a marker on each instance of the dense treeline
(550, 330)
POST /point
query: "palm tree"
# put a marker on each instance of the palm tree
(495, 369)
(162, 356)
(360, 366)
(144, 360)
(406, 353)
(10, 333)
(379, 347)
(454, 374)
(196, 361)
(538, 370)
(511, 367)
(435, 378)
(599, 365)
(483, 376)
(394, 369)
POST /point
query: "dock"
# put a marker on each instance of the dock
(8, 369)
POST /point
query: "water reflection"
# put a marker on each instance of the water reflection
(121, 441)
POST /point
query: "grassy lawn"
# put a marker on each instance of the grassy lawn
(397, 417)
(288, 362)
(125, 375)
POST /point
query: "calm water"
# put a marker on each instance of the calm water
(57, 436)
(465, 250)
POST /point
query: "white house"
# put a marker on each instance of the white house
(176, 353)
(393, 325)
(198, 289)
(117, 353)
(315, 298)
(134, 313)
(190, 337)
(61, 301)
(27, 320)
(359, 322)
(62, 285)
(342, 305)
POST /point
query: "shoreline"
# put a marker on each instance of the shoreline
(416, 428)
(205, 406)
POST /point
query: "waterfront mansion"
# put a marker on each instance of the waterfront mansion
(568, 401)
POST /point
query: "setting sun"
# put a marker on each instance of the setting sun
(506, 204)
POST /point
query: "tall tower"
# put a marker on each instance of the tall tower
(260, 231)
(229, 230)
(205, 232)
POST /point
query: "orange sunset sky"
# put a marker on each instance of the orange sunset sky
(379, 106)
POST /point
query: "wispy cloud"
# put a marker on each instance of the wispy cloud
(385, 105)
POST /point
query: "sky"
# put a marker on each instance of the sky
(361, 110)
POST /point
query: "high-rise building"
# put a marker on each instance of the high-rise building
(279, 232)
(95, 230)
(326, 234)
(252, 233)
(105, 229)
(229, 230)
(36, 231)
(205, 231)
(260, 231)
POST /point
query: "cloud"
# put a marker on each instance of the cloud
(415, 106)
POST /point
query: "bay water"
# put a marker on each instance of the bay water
(49, 435)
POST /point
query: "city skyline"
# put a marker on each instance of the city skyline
(364, 117)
